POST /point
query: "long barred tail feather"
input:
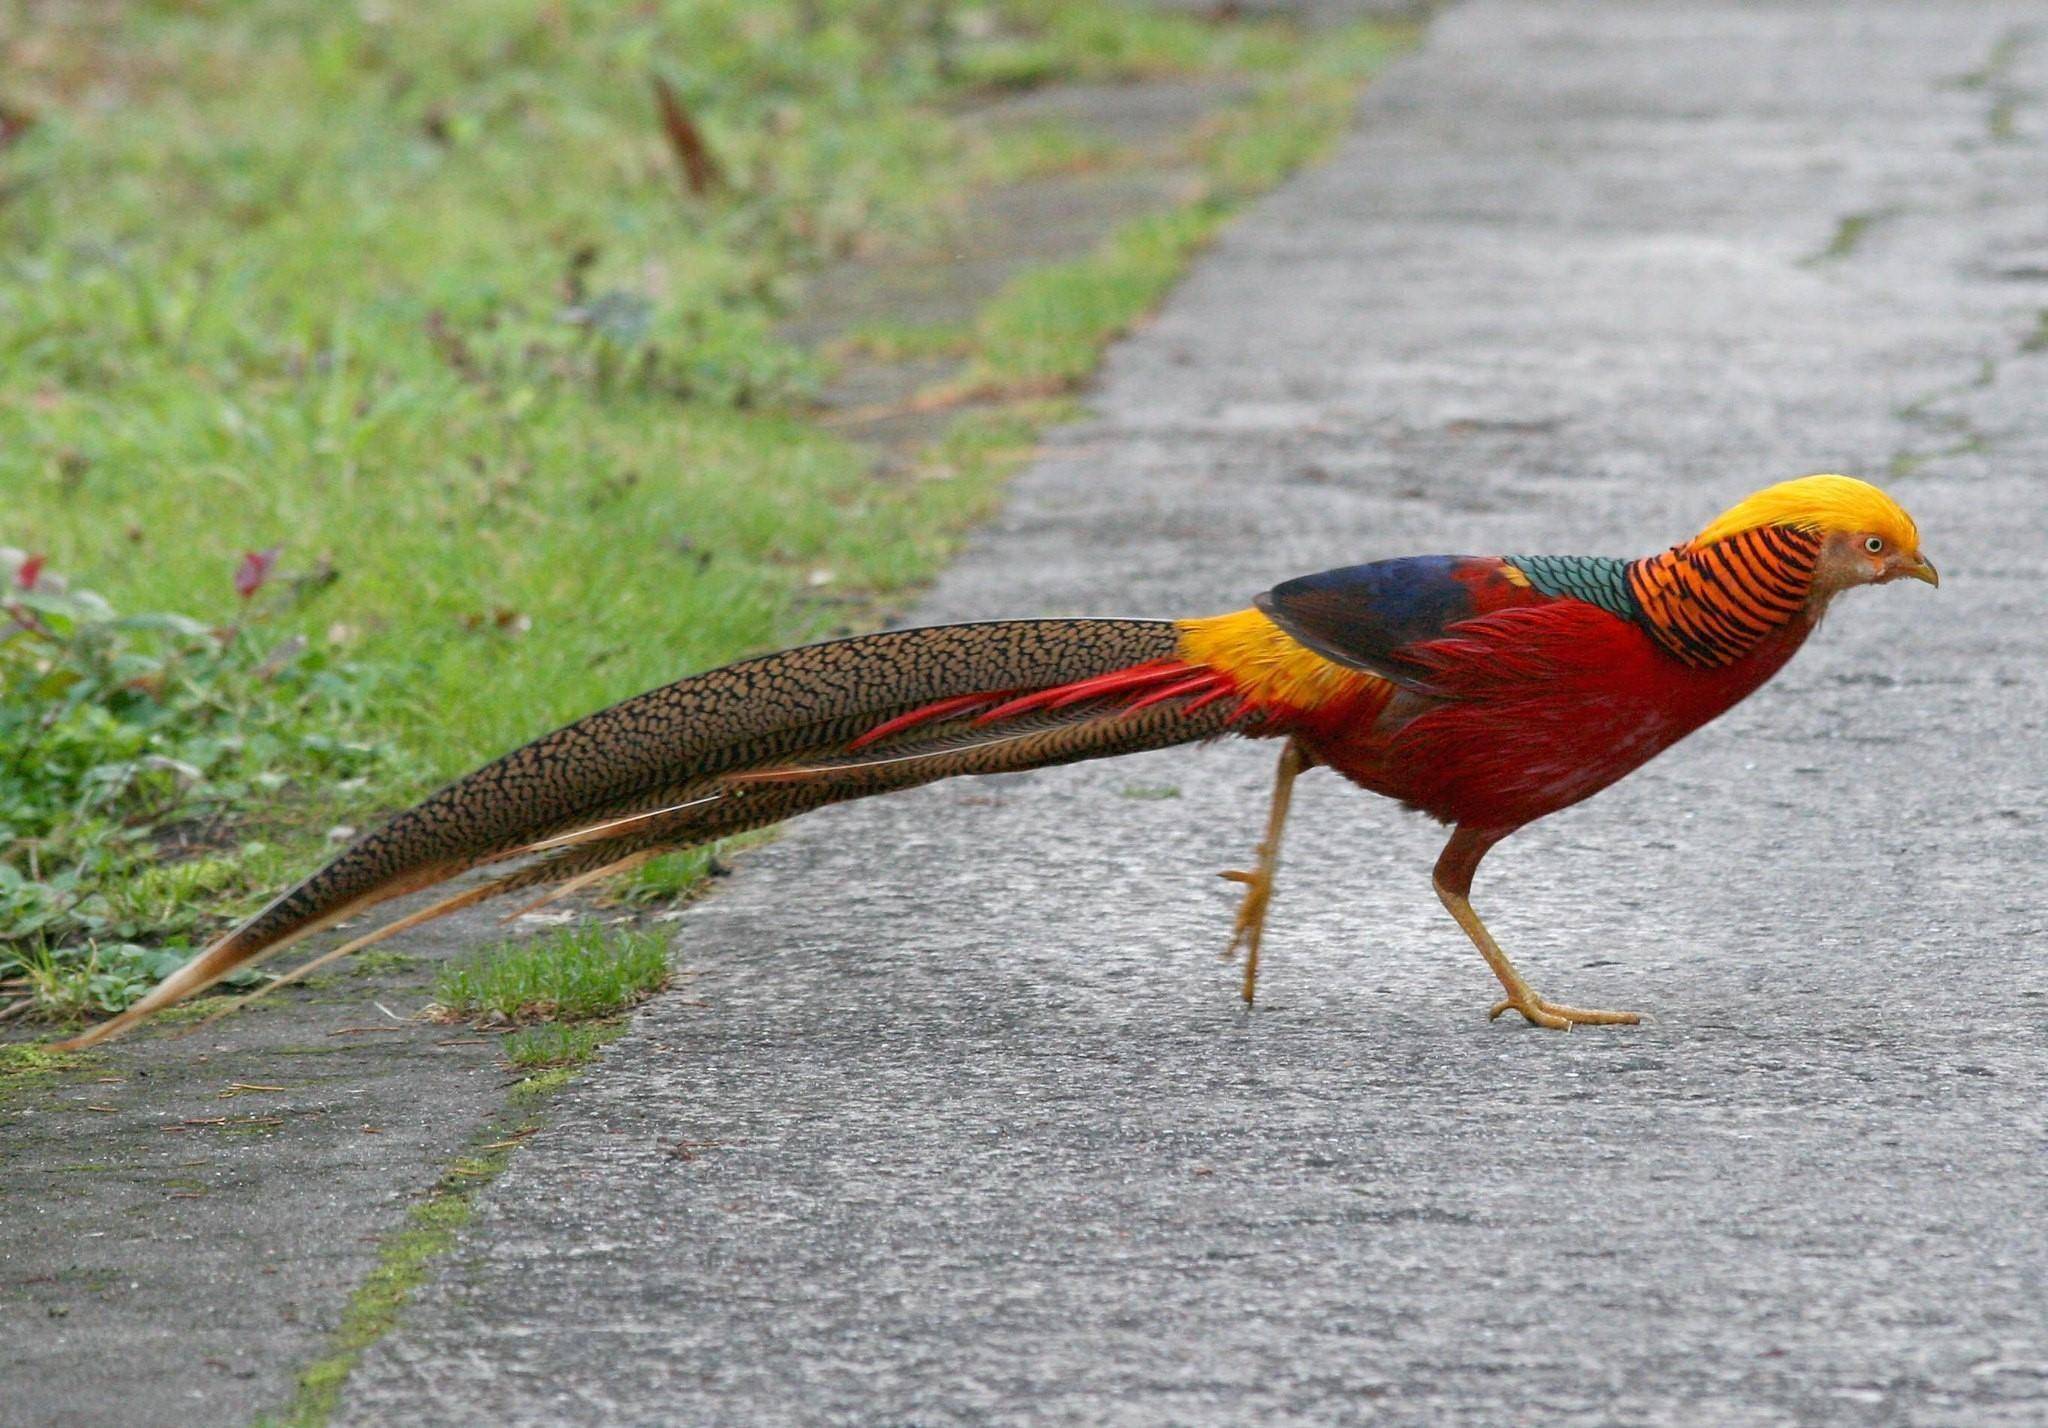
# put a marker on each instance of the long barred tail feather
(745, 746)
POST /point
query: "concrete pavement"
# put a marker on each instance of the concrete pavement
(968, 1128)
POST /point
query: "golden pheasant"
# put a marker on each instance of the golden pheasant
(1486, 691)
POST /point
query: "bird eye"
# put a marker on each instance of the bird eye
(1874, 545)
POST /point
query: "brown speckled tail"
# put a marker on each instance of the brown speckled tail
(743, 746)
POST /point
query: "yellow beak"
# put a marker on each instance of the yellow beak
(1923, 569)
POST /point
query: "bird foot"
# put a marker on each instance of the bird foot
(1251, 911)
(1538, 1012)
(1250, 928)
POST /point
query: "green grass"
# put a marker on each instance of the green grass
(413, 294)
(541, 1084)
(404, 1259)
(575, 974)
(123, 735)
(553, 1045)
(413, 288)
(674, 877)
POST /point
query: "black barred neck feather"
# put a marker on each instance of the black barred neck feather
(1709, 605)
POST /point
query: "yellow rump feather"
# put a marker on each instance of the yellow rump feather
(1268, 665)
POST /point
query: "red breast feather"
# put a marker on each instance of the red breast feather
(1536, 708)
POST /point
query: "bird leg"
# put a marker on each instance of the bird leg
(1250, 927)
(1453, 880)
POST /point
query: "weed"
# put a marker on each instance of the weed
(575, 974)
(670, 877)
(403, 1261)
(542, 1084)
(123, 737)
(552, 1045)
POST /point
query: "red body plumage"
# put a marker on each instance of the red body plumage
(1535, 709)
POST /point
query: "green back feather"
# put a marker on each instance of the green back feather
(1596, 579)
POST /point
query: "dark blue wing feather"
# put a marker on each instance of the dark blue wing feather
(1363, 616)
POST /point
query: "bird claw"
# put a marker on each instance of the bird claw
(1538, 1012)
(1248, 930)
(1251, 910)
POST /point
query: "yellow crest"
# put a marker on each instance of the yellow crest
(1818, 503)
